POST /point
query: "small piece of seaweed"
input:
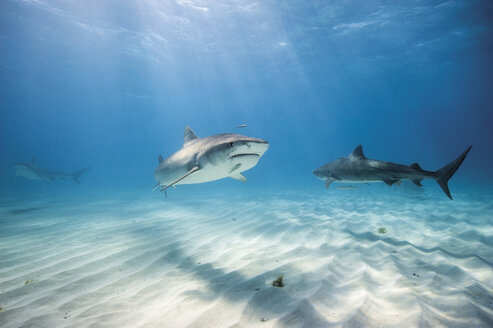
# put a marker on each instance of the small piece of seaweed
(278, 281)
(382, 230)
(1, 309)
(28, 282)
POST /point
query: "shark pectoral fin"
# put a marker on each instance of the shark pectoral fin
(328, 182)
(195, 168)
(417, 182)
(239, 177)
(236, 167)
(390, 182)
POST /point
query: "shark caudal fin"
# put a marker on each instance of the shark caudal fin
(75, 176)
(443, 175)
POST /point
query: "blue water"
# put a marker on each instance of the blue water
(112, 85)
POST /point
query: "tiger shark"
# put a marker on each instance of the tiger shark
(208, 159)
(357, 168)
(32, 172)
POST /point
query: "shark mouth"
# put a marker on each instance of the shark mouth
(243, 155)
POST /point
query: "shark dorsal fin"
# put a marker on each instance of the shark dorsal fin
(358, 153)
(416, 166)
(160, 159)
(189, 135)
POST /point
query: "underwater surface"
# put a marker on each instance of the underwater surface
(93, 92)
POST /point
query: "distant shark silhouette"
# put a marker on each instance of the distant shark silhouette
(32, 172)
(357, 168)
(210, 158)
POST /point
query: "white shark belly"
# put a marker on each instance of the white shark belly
(230, 168)
(206, 174)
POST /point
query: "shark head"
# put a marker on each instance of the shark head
(233, 152)
(327, 171)
(21, 167)
(26, 170)
(322, 172)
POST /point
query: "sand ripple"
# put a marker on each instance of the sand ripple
(210, 263)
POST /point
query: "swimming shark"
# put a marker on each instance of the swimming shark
(32, 172)
(208, 159)
(357, 168)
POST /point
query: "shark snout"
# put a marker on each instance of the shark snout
(259, 147)
(319, 173)
(255, 147)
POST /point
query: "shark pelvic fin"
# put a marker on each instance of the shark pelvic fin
(160, 159)
(195, 168)
(189, 135)
(358, 153)
(390, 182)
(239, 177)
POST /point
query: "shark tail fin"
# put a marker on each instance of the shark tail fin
(443, 175)
(76, 175)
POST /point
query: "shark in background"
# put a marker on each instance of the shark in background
(357, 168)
(210, 158)
(32, 172)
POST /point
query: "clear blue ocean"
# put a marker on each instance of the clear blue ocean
(110, 85)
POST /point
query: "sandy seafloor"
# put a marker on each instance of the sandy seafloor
(209, 261)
